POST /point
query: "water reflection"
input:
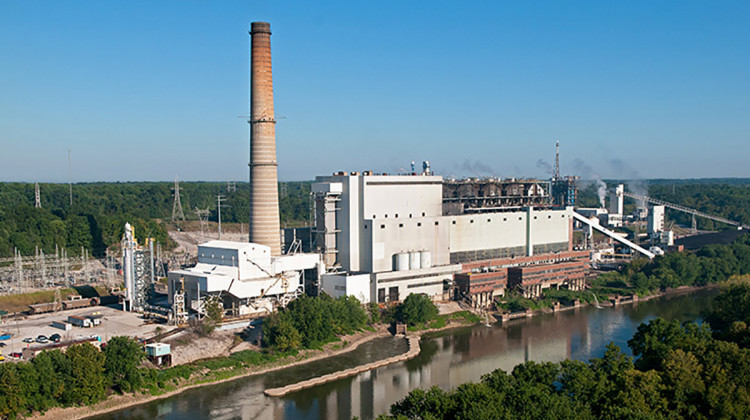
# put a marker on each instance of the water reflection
(455, 357)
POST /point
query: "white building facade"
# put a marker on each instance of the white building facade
(389, 231)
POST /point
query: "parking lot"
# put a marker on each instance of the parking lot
(114, 322)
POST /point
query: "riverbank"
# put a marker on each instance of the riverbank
(505, 316)
(118, 402)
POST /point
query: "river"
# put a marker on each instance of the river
(448, 360)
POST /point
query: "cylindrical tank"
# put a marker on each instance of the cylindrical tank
(414, 260)
(402, 261)
(425, 259)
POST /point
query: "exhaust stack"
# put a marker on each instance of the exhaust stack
(264, 195)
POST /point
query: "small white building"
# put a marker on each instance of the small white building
(241, 274)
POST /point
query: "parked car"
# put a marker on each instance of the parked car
(16, 354)
(41, 337)
(2, 345)
(42, 340)
(28, 340)
(55, 337)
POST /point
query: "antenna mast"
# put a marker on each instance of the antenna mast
(556, 175)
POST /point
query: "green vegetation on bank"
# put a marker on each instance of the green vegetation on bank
(680, 371)
(310, 322)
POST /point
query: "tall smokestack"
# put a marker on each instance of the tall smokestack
(264, 194)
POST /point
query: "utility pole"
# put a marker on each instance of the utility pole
(219, 199)
(177, 213)
(70, 180)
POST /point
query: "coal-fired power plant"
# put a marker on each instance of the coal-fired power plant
(264, 194)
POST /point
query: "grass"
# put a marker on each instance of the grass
(442, 320)
(21, 302)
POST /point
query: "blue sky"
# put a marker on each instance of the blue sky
(144, 90)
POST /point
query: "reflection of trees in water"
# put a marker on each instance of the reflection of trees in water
(678, 306)
(427, 351)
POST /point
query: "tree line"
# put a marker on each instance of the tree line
(97, 217)
(680, 371)
(728, 198)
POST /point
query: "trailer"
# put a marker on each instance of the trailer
(65, 326)
(79, 321)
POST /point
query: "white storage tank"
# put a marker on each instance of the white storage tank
(415, 260)
(425, 259)
(401, 261)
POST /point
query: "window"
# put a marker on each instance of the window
(437, 223)
(382, 226)
(489, 220)
(393, 294)
(419, 224)
(471, 221)
(549, 217)
(381, 295)
(454, 222)
(409, 215)
(365, 226)
(400, 225)
(396, 216)
(505, 219)
(422, 214)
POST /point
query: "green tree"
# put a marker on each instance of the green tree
(416, 309)
(11, 400)
(122, 356)
(279, 332)
(87, 381)
(52, 385)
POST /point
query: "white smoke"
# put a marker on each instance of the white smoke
(588, 176)
(635, 182)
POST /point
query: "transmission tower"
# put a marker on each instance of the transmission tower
(37, 197)
(177, 212)
(231, 186)
(203, 218)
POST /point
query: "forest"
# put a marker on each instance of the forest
(97, 217)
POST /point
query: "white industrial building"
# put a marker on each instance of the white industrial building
(387, 237)
(244, 275)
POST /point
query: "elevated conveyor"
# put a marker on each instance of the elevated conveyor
(613, 235)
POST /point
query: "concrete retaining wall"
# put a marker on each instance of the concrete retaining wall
(413, 351)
